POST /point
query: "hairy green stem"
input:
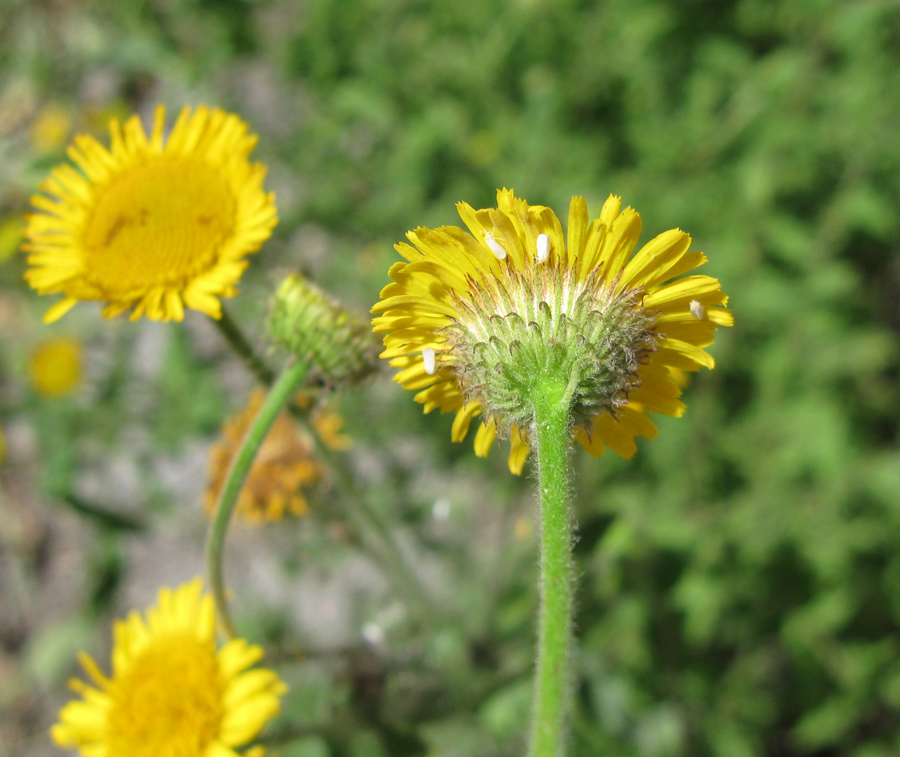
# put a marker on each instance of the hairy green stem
(553, 684)
(279, 395)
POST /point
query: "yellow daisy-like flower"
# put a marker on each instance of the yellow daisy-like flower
(51, 126)
(55, 366)
(470, 315)
(172, 693)
(284, 467)
(10, 237)
(152, 223)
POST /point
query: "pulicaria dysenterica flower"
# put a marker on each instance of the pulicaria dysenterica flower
(474, 318)
(152, 223)
(286, 465)
(171, 693)
(55, 367)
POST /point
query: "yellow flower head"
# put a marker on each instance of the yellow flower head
(50, 128)
(473, 316)
(10, 236)
(172, 692)
(152, 223)
(55, 366)
(284, 466)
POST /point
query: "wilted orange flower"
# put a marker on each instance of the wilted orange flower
(285, 465)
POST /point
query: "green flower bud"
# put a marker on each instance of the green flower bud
(336, 344)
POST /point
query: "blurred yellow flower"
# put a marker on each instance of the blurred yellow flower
(152, 223)
(284, 466)
(172, 692)
(471, 315)
(50, 127)
(55, 366)
(11, 230)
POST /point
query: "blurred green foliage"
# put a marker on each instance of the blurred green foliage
(740, 578)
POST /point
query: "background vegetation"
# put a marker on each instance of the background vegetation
(739, 579)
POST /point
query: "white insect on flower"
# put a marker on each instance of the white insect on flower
(495, 246)
(697, 310)
(428, 358)
(543, 248)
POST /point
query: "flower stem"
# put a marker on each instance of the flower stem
(376, 537)
(281, 392)
(552, 692)
(238, 342)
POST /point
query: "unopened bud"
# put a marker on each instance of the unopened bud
(338, 346)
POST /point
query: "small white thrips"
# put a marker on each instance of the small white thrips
(428, 359)
(495, 246)
(543, 248)
(697, 310)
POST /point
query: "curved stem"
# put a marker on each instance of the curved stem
(236, 339)
(376, 537)
(280, 393)
(552, 691)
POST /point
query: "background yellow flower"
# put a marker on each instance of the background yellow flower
(171, 692)
(284, 468)
(50, 127)
(55, 366)
(10, 236)
(153, 223)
